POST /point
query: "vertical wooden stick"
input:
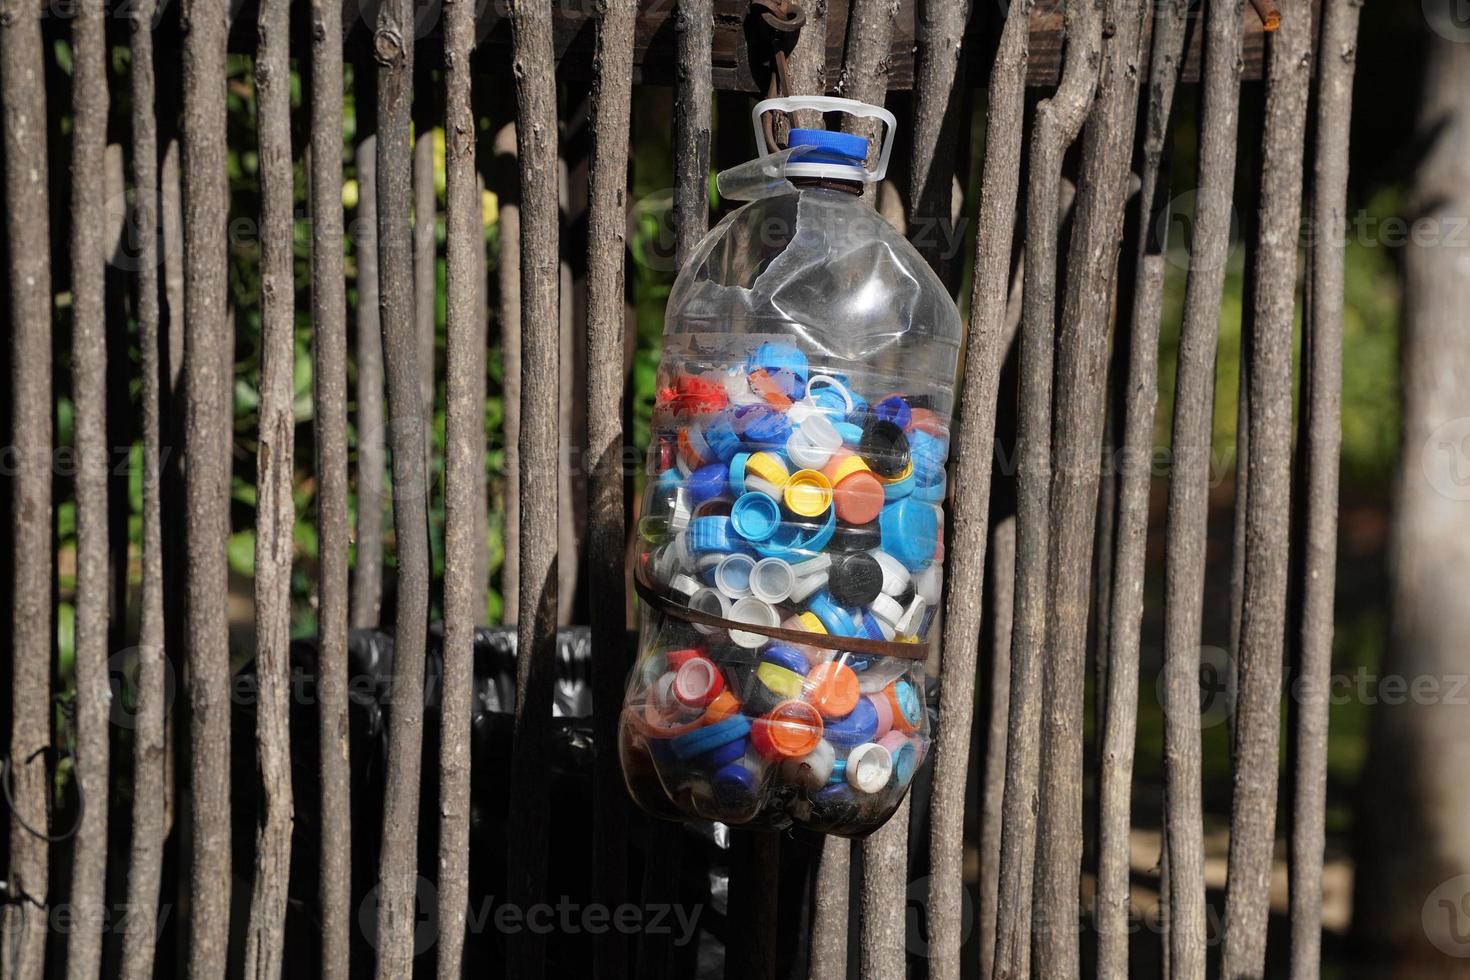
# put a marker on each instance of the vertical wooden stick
(275, 513)
(464, 446)
(329, 385)
(397, 875)
(536, 132)
(1188, 490)
(207, 437)
(146, 839)
(1263, 614)
(367, 571)
(1135, 476)
(612, 91)
(1321, 439)
(89, 394)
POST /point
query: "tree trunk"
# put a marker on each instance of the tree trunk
(1413, 895)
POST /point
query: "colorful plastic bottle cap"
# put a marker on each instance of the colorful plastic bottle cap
(756, 613)
(807, 493)
(711, 603)
(662, 693)
(732, 575)
(885, 714)
(722, 756)
(859, 497)
(707, 534)
(781, 680)
(929, 584)
(819, 432)
(878, 629)
(886, 608)
(900, 486)
(843, 464)
(737, 473)
(856, 579)
(809, 622)
(851, 432)
(785, 656)
(766, 466)
(772, 580)
(823, 385)
(792, 728)
(697, 682)
(869, 767)
(907, 711)
(693, 450)
(774, 388)
(778, 355)
(910, 530)
(913, 616)
(885, 447)
(927, 453)
(838, 621)
(755, 516)
(894, 409)
(832, 688)
(854, 728)
(678, 658)
(733, 786)
(933, 491)
(761, 425)
(895, 576)
(813, 769)
(803, 453)
(720, 436)
(706, 737)
(905, 755)
(706, 483)
(723, 706)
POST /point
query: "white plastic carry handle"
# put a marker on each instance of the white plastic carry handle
(826, 103)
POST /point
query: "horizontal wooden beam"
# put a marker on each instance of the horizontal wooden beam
(574, 23)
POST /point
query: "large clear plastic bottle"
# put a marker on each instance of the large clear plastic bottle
(796, 482)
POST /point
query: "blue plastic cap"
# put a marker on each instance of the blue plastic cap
(773, 356)
(829, 147)
(903, 762)
(927, 453)
(733, 785)
(785, 656)
(721, 437)
(722, 756)
(838, 621)
(707, 482)
(708, 534)
(854, 728)
(910, 531)
(755, 516)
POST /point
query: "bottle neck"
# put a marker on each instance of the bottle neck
(854, 187)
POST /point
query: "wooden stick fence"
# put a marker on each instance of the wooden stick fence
(1112, 82)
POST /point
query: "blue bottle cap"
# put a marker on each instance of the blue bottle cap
(910, 531)
(932, 492)
(829, 146)
(899, 489)
(870, 628)
(839, 772)
(903, 762)
(908, 702)
(785, 656)
(854, 728)
(701, 740)
(755, 517)
(707, 483)
(776, 355)
(851, 433)
(669, 479)
(737, 473)
(927, 453)
(762, 427)
(707, 534)
(717, 758)
(830, 401)
(838, 621)
(720, 435)
(894, 409)
(733, 786)
(797, 541)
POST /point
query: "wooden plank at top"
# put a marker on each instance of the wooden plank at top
(574, 35)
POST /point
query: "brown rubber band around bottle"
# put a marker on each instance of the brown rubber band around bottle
(842, 644)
